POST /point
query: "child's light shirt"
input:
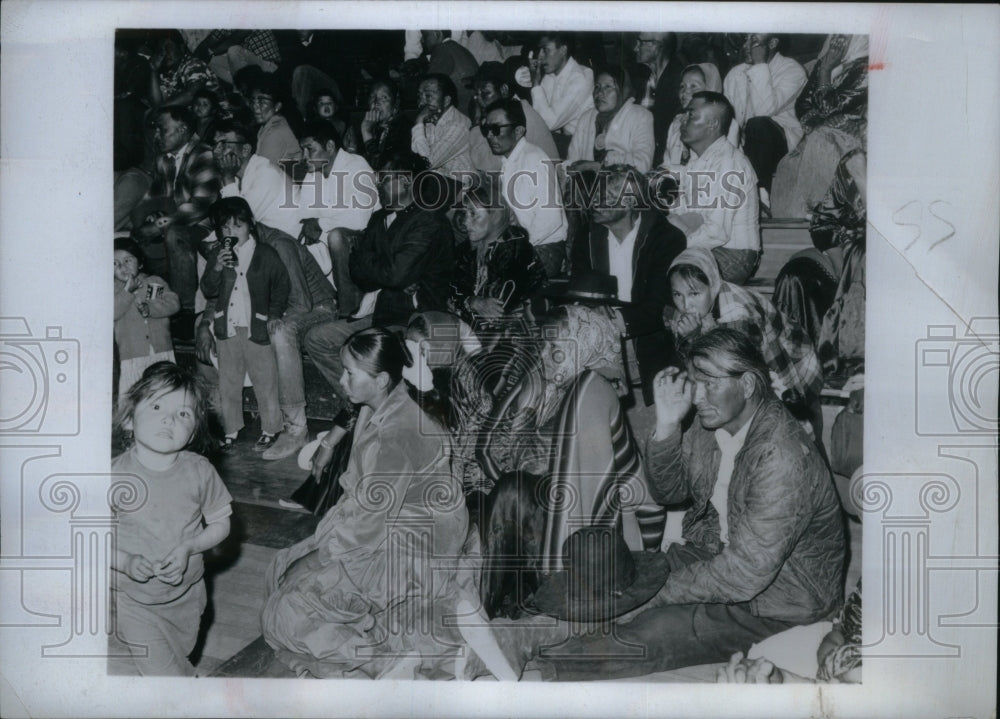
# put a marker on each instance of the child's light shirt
(177, 501)
(239, 299)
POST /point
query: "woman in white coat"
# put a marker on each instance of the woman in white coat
(616, 130)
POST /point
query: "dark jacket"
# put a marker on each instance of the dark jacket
(656, 245)
(267, 280)
(666, 102)
(395, 137)
(513, 273)
(787, 540)
(413, 256)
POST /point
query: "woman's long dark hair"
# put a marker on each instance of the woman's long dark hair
(512, 535)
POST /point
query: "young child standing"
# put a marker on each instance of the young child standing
(143, 304)
(158, 587)
(249, 285)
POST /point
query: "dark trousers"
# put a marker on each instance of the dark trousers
(661, 638)
(182, 246)
(764, 144)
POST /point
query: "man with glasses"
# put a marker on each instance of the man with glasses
(654, 52)
(763, 90)
(275, 139)
(561, 89)
(528, 183)
(491, 83)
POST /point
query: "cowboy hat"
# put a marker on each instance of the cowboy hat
(590, 287)
(602, 579)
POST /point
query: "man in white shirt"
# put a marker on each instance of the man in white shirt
(718, 205)
(335, 201)
(562, 89)
(494, 82)
(246, 174)
(528, 183)
(763, 90)
(441, 133)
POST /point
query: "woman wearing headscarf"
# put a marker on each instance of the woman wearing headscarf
(833, 111)
(702, 300)
(616, 131)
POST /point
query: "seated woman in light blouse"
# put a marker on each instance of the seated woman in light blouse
(616, 131)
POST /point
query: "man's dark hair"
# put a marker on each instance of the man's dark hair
(717, 99)
(267, 84)
(561, 39)
(512, 108)
(404, 161)
(445, 85)
(321, 132)
(178, 113)
(242, 132)
(734, 353)
(232, 208)
(626, 181)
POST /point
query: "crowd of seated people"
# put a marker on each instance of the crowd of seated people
(495, 250)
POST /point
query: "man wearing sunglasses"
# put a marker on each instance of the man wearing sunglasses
(494, 82)
(528, 183)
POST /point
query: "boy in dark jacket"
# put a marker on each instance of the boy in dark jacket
(249, 285)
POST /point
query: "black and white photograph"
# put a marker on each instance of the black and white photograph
(531, 354)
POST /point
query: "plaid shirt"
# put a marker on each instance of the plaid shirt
(260, 42)
(787, 349)
(195, 188)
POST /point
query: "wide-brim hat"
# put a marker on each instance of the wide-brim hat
(602, 579)
(589, 288)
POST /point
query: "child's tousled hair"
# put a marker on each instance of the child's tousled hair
(127, 244)
(161, 378)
